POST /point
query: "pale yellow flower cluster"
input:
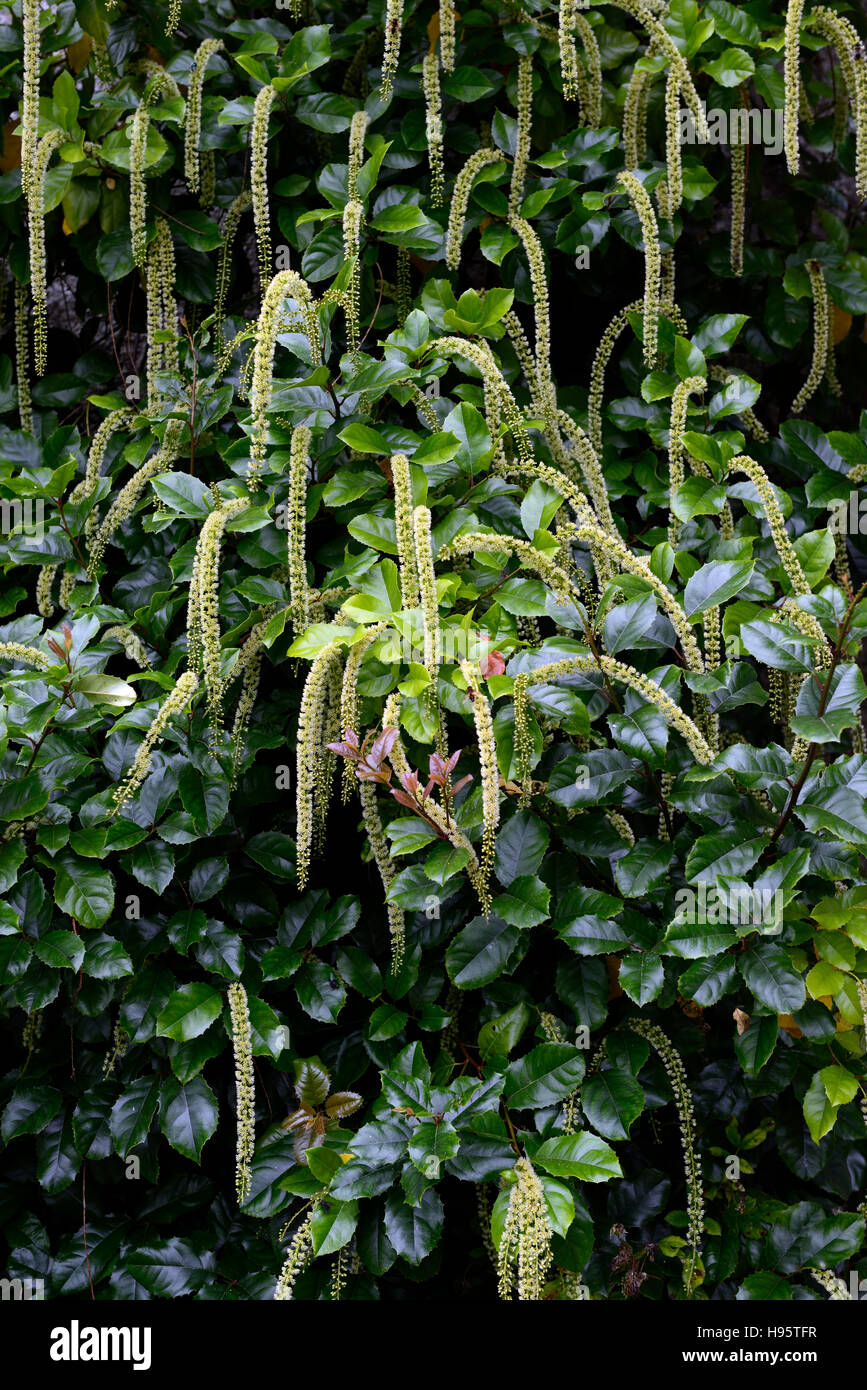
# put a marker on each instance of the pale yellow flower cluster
(244, 1088)
(132, 644)
(461, 197)
(299, 1257)
(673, 1063)
(391, 55)
(650, 231)
(193, 114)
(525, 128)
(490, 776)
(525, 1255)
(296, 525)
(203, 620)
(176, 701)
(786, 551)
(235, 211)
(259, 181)
(124, 504)
(792, 81)
(403, 525)
(36, 218)
(26, 656)
(313, 720)
(430, 76)
(286, 284)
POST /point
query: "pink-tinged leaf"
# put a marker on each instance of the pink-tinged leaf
(409, 781)
(368, 773)
(493, 664)
(345, 750)
(462, 783)
(403, 799)
(342, 1103)
(382, 746)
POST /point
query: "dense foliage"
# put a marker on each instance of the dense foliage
(432, 804)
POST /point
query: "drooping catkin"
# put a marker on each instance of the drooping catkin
(125, 503)
(286, 284)
(138, 140)
(162, 312)
(36, 221)
(673, 168)
(671, 1060)
(403, 523)
(434, 125)
(357, 131)
(433, 653)
(310, 750)
(626, 675)
(31, 63)
(487, 749)
(792, 80)
(662, 40)
(679, 405)
(24, 655)
(479, 354)
(624, 557)
(259, 182)
(297, 1260)
(391, 54)
(244, 1088)
(207, 565)
(114, 421)
(296, 525)
(533, 559)
(821, 335)
(133, 646)
(634, 117)
(349, 698)
(524, 134)
(193, 114)
(524, 1256)
(230, 227)
(786, 551)
(353, 216)
(568, 54)
(447, 34)
(44, 590)
(249, 668)
(539, 284)
(592, 84)
(738, 150)
(644, 208)
(382, 857)
(22, 359)
(461, 197)
(175, 702)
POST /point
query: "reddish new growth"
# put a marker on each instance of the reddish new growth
(370, 766)
(494, 664)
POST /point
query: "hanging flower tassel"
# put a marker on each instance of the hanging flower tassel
(244, 1088)
(259, 182)
(193, 114)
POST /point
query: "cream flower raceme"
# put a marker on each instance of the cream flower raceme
(244, 1087)
(523, 137)
(259, 181)
(671, 1060)
(461, 197)
(643, 206)
(175, 702)
(193, 114)
(525, 1255)
(296, 523)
